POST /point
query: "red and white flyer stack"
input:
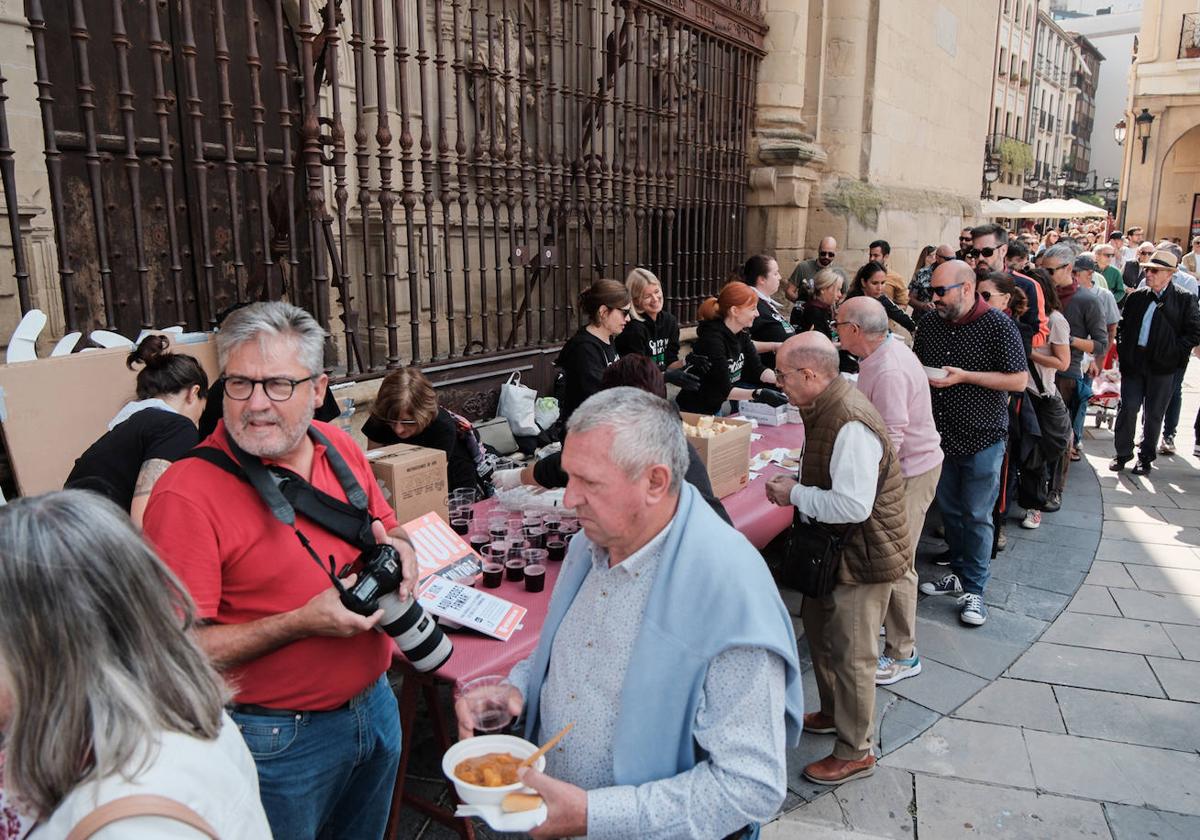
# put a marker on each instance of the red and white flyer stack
(447, 565)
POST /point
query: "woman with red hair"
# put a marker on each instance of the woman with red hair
(723, 342)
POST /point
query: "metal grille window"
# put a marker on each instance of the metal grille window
(435, 179)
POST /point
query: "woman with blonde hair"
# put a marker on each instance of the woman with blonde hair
(406, 410)
(652, 331)
(104, 694)
(733, 368)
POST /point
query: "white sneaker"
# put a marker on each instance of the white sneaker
(1167, 447)
(1033, 519)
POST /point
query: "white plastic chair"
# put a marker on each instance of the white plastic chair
(106, 338)
(22, 347)
(66, 344)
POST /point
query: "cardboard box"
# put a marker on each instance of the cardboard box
(764, 414)
(53, 409)
(794, 415)
(726, 455)
(413, 479)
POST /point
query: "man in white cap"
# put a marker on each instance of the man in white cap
(1159, 327)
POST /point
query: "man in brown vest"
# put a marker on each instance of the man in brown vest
(849, 474)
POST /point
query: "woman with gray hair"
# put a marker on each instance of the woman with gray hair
(132, 707)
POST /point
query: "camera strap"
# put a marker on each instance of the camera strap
(284, 493)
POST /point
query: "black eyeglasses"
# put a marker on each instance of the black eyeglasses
(942, 290)
(844, 324)
(988, 295)
(277, 388)
(965, 239)
(975, 253)
(830, 254)
(1055, 268)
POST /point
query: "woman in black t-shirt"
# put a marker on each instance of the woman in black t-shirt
(583, 359)
(652, 331)
(146, 435)
(734, 367)
(406, 410)
(770, 328)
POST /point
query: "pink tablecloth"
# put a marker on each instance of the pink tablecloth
(476, 655)
(749, 509)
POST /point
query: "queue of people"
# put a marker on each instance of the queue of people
(216, 666)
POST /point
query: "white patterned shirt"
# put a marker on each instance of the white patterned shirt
(740, 722)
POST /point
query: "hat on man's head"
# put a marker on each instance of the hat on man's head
(1084, 262)
(1162, 259)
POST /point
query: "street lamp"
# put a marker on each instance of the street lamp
(990, 173)
(1119, 132)
(1143, 122)
(1060, 181)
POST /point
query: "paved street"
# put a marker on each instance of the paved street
(1075, 712)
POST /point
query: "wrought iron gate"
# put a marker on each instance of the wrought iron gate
(436, 180)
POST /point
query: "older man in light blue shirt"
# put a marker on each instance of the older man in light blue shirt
(665, 643)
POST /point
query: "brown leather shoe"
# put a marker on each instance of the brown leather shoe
(819, 723)
(832, 770)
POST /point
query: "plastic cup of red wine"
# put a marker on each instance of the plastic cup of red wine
(493, 575)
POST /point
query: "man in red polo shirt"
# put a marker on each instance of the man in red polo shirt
(312, 702)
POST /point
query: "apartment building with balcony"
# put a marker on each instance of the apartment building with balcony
(1007, 146)
(1077, 162)
(1057, 77)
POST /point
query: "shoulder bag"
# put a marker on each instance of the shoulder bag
(814, 549)
(140, 805)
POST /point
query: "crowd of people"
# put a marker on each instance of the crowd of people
(213, 662)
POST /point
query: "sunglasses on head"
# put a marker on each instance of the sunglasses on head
(975, 253)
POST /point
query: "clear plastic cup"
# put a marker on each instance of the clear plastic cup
(486, 701)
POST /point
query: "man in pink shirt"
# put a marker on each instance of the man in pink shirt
(892, 378)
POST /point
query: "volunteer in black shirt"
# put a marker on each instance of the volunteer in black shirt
(723, 338)
(146, 435)
(652, 331)
(585, 356)
(406, 410)
(770, 328)
(636, 371)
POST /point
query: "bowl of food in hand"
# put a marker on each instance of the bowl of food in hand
(484, 768)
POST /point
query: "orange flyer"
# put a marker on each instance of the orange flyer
(440, 551)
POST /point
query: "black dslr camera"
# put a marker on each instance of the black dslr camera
(418, 635)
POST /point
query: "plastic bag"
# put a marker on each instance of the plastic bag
(545, 412)
(517, 406)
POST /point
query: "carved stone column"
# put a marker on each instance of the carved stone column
(786, 161)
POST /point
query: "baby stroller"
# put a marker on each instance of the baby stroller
(1106, 391)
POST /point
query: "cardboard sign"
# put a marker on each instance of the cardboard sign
(53, 409)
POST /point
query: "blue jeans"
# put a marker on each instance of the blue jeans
(1171, 420)
(966, 495)
(328, 774)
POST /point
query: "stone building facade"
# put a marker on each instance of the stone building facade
(437, 179)
(1160, 189)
